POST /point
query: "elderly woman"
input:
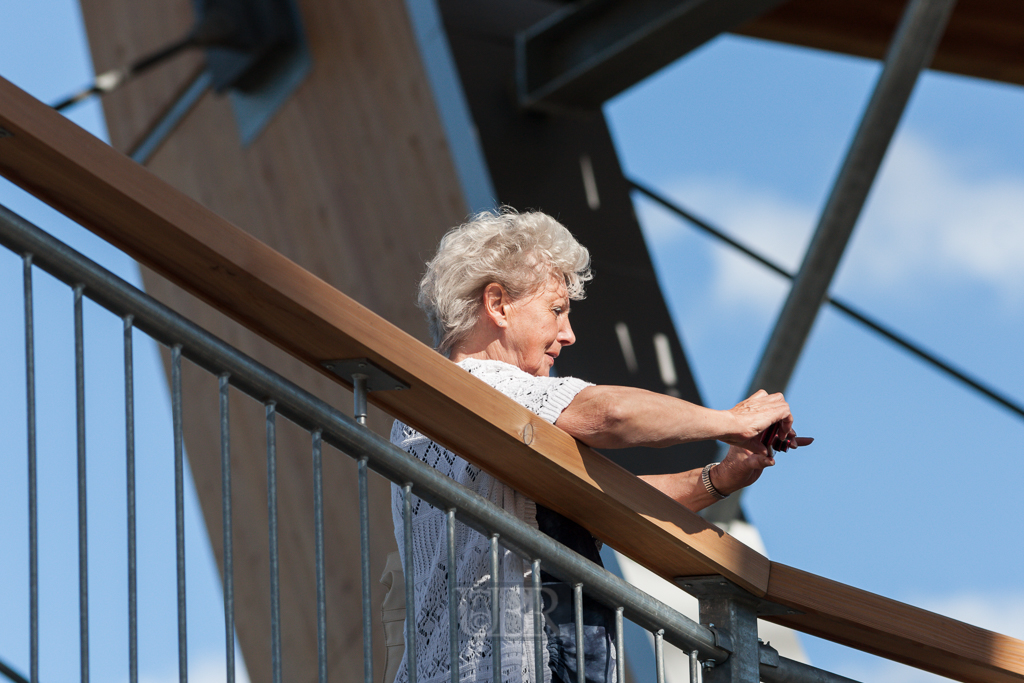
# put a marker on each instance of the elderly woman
(497, 296)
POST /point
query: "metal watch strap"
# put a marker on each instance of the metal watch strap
(705, 477)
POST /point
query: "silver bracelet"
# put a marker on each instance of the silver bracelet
(705, 476)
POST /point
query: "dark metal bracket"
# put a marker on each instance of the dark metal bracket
(715, 586)
(365, 376)
(377, 378)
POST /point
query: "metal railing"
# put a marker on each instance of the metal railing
(731, 644)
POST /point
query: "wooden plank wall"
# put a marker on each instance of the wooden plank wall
(352, 180)
(982, 39)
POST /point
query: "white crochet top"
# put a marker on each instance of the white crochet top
(547, 397)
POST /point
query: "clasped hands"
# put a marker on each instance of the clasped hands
(764, 424)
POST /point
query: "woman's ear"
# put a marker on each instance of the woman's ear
(495, 301)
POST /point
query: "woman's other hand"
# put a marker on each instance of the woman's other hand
(740, 468)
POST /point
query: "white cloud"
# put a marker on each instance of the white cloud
(930, 219)
(777, 228)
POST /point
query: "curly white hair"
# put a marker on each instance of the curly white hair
(519, 251)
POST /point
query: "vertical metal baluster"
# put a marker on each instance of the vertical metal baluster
(179, 507)
(659, 654)
(538, 622)
(129, 439)
(83, 523)
(364, 550)
(620, 648)
(275, 588)
(360, 388)
(495, 613)
(577, 605)
(694, 666)
(410, 583)
(226, 520)
(453, 603)
(33, 519)
(318, 536)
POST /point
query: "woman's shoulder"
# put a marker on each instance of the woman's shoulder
(505, 377)
(545, 396)
(484, 366)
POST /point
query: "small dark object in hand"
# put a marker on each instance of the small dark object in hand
(770, 439)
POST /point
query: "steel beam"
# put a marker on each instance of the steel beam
(592, 50)
(911, 51)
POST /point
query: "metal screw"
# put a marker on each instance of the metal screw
(709, 664)
(4, 133)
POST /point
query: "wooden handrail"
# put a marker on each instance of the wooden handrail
(894, 630)
(240, 276)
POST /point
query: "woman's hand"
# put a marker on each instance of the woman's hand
(741, 427)
(754, 415)
(740, 469)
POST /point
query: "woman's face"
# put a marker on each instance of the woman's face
(538, 328)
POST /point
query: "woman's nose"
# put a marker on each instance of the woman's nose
(565, 333)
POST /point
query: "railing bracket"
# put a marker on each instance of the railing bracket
(377, 378)
(767, 655)
(722, 637)
(365, 376)
(703, 587)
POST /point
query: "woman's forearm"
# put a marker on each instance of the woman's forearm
(685, 488)
(621, 417)
(739, 469)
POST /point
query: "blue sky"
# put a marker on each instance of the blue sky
(43, 50)
(912, 488)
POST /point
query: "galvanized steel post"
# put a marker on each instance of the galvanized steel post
(731, 614)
